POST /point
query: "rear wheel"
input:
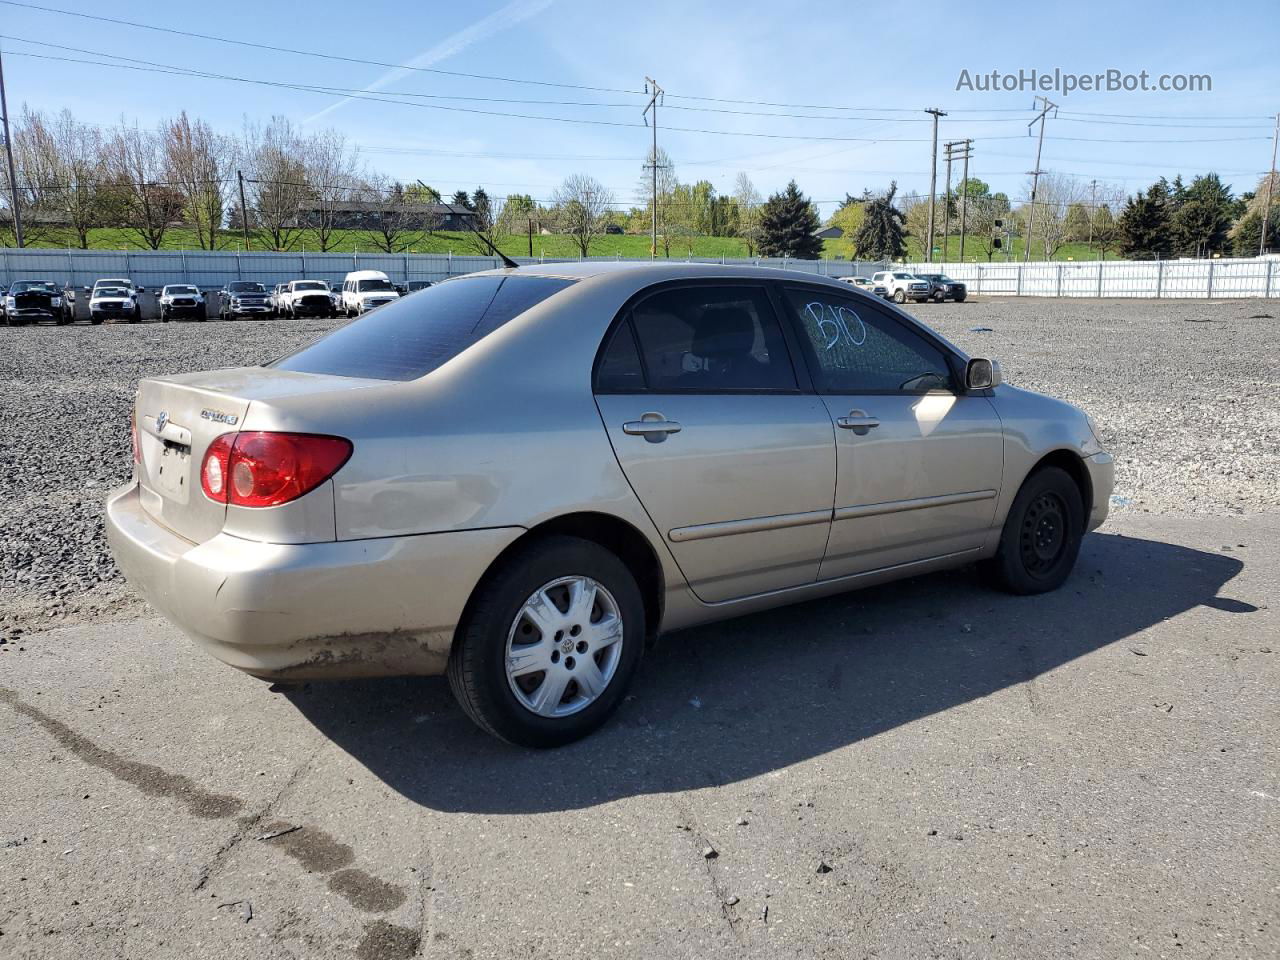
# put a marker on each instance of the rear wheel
(549, 644)
(1041, 536)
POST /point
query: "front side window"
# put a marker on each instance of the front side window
(857, 348)
(712, 339)
(410, 337)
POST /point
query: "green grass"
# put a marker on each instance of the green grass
(462, 244)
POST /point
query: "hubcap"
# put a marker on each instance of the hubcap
(1044, 533)
(564, 646)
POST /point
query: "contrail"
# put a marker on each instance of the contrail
(496, 22)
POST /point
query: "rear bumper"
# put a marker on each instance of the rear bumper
(1102, 478)
(350, 608)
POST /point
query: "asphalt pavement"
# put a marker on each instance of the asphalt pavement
(926, 769)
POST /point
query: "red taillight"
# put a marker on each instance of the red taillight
(265, 469)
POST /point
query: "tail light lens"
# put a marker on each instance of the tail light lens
(265, 469)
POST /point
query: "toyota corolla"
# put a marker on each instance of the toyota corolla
(520, 477)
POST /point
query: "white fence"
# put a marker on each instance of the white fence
(1205, 279)
(211, 269)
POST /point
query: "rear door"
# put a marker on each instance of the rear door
(733, 462)
(919, 461)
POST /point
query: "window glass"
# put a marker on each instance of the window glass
(859, 349)
(707, 338)
(409, 338)
(620, 370)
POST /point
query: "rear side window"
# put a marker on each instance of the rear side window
(409, 338)
(712, 339)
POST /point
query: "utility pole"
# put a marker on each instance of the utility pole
(8, 148)
(964, 196)
(956, 150)
(654, 101)
(244, 212)
(531, 236)
(946, 201)
(1266, 204)
(1035, 174)
(933, 180)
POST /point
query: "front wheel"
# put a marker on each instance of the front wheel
(549, 644)
(959, 297)
(899, 296)
(1041, 536)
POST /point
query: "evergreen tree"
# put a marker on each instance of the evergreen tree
(1200, 222)
(788, 223)
(1248, 232)
(882, 235)
(460, 199)
(1144, 224)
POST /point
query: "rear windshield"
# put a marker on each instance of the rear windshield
(409, 338)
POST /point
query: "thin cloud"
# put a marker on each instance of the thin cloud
(510, 15)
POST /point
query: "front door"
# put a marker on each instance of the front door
(734, 464)
(919, 461)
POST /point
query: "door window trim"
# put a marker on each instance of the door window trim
(955, 364)
(800, 371)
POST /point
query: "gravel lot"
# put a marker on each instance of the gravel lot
(1184, 392)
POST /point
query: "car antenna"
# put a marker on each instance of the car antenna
(506, 261)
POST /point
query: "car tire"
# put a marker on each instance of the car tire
(95, 319)
(960, 297)
(497, 617)
(164, 316)
(939, 297)
(899, 296)
(1041, 536)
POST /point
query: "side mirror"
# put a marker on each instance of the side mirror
(982, 374)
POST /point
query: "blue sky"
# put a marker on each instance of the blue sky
(821, 55)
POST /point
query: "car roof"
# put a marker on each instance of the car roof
(633, 274)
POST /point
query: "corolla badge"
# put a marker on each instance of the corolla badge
(217, 416)
(161, 419)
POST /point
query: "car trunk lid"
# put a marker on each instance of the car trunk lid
(179, 417)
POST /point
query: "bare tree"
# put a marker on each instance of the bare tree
(81, 167)
(1055, 195)
(135, 159)
(581, 203)
(983, 213)
(275, 155)
(388, 215)
(748, 200)
(199, 163)
(333, 170)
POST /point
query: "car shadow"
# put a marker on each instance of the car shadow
(733, 700)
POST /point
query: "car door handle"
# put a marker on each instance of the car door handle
(858, 421)
(654, 427)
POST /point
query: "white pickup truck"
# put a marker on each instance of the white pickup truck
(903, 286)
(304, 298)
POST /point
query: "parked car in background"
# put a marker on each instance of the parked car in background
(30, 301)
(903, 286)
(413, 286)
(179, 300)
(335, 295)
(862, 283)
(365, 289)
(275, 299)
(522, 477)
(244, 298)
(115, 299)
(305, 298)
(942, 287)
